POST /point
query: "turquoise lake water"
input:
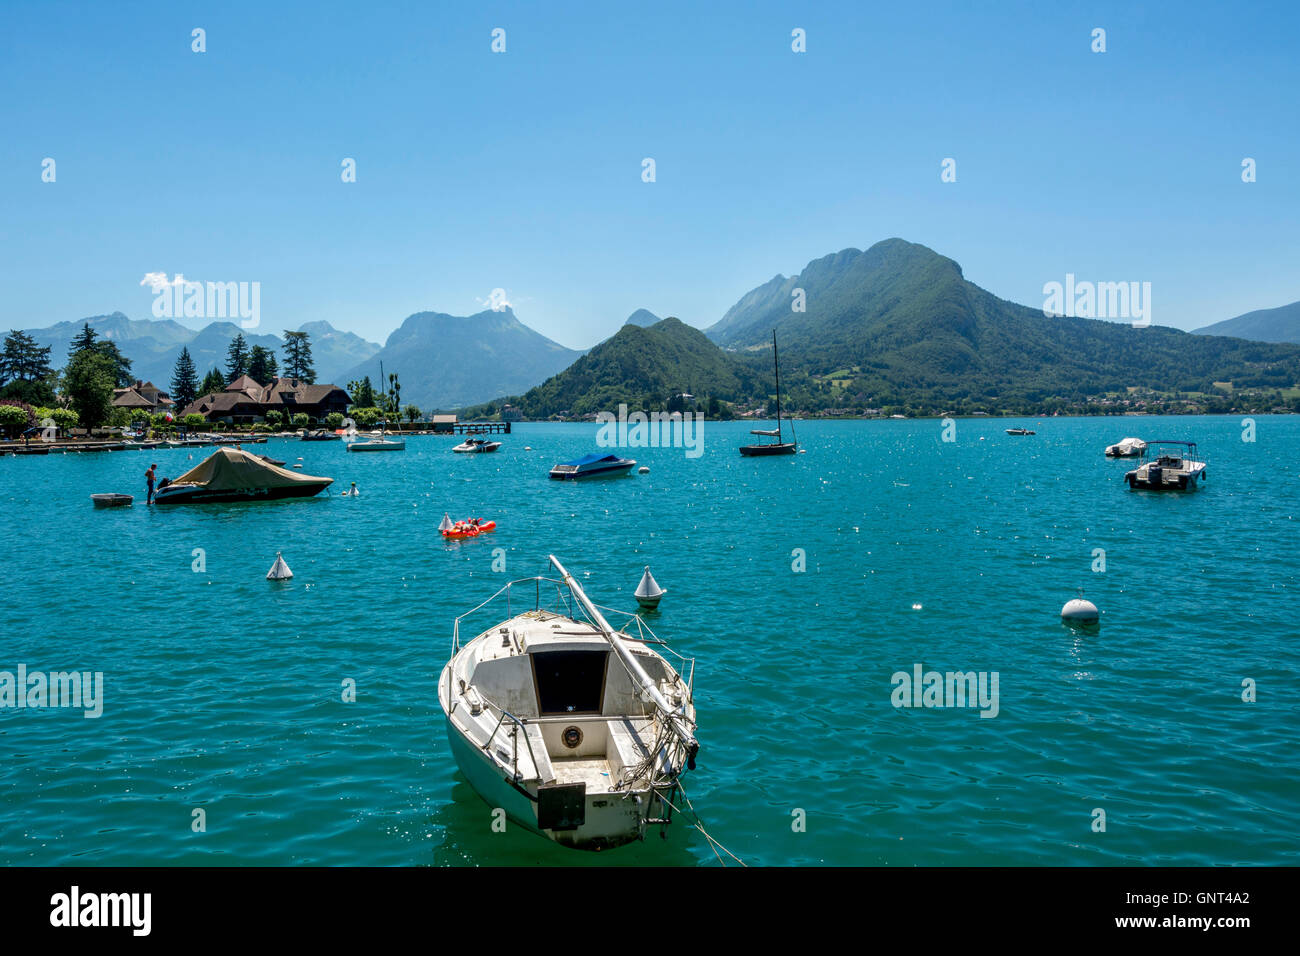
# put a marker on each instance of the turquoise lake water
(222, 691)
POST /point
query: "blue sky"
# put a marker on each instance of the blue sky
(522, 170)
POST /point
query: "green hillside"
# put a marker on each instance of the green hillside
(642, 366)
(916, 331)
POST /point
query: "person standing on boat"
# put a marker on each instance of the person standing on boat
(148, 477)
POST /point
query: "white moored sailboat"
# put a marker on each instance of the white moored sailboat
(578, 731)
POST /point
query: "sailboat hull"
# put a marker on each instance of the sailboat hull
(775, 448)
(611, 821)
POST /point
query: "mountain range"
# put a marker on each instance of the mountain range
(153, 345)
(446, 361)
(1265, 325)
(894, 324)
(899, 324)
(899, 317)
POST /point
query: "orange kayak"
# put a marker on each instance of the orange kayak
(463, 530)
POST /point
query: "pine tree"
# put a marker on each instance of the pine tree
(297, 360)
(85, 339)
(22, 359)
(363, 396)
(237, 358)
(88, 383)
(25, 372)
(185, 380)
(214, 383)
(120, 364)
(262, 366)
(88, 339)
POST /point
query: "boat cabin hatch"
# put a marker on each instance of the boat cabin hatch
(570, 682)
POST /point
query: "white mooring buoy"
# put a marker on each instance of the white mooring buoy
(446, 523)
(648, 592)
(1079, 611)
(279, 571)
(643, 470)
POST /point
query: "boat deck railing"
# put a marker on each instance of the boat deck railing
(563, 604)
(514, 740)
(520, 725)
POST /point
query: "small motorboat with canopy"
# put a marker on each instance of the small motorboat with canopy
(579, 731)
(231, 474)
(592, 466)
(1167, 466)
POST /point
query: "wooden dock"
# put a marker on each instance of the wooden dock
(481, 428)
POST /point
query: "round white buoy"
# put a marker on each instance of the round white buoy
(279, 571)
(643, 470)
(1080, 611)
(528, 448)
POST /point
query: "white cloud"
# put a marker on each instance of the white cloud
(157, 281)
(498, 300)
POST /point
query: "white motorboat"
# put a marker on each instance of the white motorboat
(1128, 448)
(578, 731)
(1168, 466)
(378, 440)
(377, 444)
(477, 445)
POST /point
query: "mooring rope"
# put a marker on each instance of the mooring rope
(714, 845)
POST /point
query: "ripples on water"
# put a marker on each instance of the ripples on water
(223, 690)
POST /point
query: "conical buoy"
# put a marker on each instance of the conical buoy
(1079, 611)
(648, 592)
(446, 523)
(279, 571)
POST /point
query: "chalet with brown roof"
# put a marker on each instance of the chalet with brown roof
(244, 401)
(144, 396)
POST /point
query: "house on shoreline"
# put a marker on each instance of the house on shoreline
(244, 401)
(142, 396)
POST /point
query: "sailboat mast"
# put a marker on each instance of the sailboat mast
(776, 364)
(672, 717)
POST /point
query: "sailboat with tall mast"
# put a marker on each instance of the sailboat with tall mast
(780, 446)
(579, 731)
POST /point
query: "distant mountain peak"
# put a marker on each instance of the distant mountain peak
(449, 361)
(642, 317)
(1281, 324)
